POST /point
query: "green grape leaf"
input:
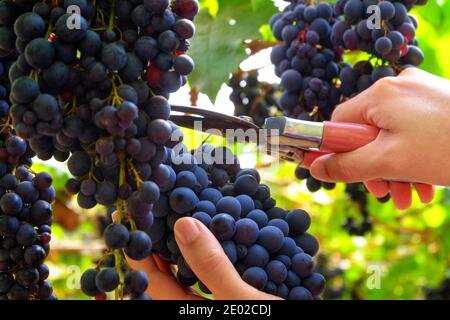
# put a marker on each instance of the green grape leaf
(211, 5)
(431, 13)
(266, 33)
(218, 46)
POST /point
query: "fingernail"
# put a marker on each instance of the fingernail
(186, 231)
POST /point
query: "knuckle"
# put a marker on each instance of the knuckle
(372, 112)
(385, 85)
(410, 72)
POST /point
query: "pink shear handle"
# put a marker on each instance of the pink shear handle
(345, 137)
(341, 137)
(310, 156)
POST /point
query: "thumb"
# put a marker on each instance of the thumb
(360, 165)
(206, 258)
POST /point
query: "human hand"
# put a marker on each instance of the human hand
(413, 114)
(205, 256)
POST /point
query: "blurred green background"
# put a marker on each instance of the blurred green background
(404, 254)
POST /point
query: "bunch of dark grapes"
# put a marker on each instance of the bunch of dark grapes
(308, 65)
(25, 234)
(253, 98)
(270, 247)
(442, 292)
(25, 210)
(392, 45)
(393, 40)
(306, 61)
(25, 220)
(334, 276)
(91, 87)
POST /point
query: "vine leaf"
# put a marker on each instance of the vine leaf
(219, 44)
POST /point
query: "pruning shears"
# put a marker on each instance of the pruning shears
(293, 140)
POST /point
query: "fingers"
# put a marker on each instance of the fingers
(401, 194)
(356, 166)
(205, 256)
(378, 188)
(425, 192)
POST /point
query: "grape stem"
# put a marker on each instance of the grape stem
(135, 173)
(6, 126)
(103, 257)
(119, 205)
(114, 99)
(101, 17)
(54, 3)
(194, 96)
(49, 31)
(112, 15)
(34, 74)
(256, 46)
(118, 257)
(99, 29)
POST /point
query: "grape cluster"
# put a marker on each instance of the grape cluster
(252, 97)
(56, 93)
(442, 292)
(270, 247)
(392, 45)
(306, 61)
(309, 66)
(25, 220)
(393, 40)
(91, 86)
(25, 210)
